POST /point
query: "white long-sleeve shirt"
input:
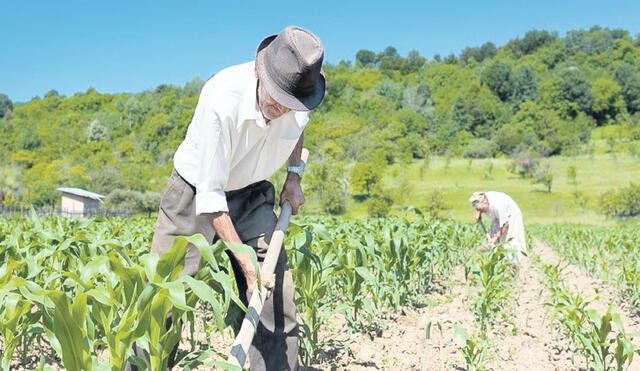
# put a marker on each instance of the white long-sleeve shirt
(229, 145)
(501, 207)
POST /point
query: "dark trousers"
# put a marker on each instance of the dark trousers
(275, 346)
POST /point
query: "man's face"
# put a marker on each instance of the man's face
(484, 206)
(270, 109)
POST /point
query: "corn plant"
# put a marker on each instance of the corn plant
(607, 253)
(491, 276)
(366, 270)
(593, 334)
(90, 292)
(100, 272)
(474, 351)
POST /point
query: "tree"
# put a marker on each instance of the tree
(418, 98)
(531, 41)
(150, 202)
(544, 175)
(596, 40)
(498, 76)
(545, 130)
(10, 185)
(608, 102)
(325, 177)
(193, 87)
(413, 62)
(364, 177)
(390, 90)
(133, 201)
(479, 148)
(572, 175)
(507, 138)
(334, 201)
(29, 139)
(623, 202)
(450, 59)
(5, 105)
(525, 86)
(577, 89)
(436, 205)
(525, 163)
(96, 132)
(486, 51)
(52, 93)
(628, 78)
(380, 203)
(476, 110)
(390, 60)
(365, 57)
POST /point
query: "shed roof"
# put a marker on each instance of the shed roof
(81, 193)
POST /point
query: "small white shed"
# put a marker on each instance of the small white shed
(78, 203)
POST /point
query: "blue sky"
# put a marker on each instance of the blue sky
(130, 46)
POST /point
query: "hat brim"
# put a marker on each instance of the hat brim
(286, 99)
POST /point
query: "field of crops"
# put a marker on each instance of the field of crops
(78, 290)
(76, 294)
(612, 254)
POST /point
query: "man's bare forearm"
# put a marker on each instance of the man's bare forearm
(224, 228)
(295, 157)
(502, 230)
(227, 232)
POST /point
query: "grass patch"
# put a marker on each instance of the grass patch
(458, 178)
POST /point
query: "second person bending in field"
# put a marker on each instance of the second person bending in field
(506, 222)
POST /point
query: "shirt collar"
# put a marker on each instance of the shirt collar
(249, 103)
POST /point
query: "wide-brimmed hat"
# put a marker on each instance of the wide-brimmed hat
(289, 66)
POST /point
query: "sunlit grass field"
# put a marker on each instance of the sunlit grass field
(457, 178)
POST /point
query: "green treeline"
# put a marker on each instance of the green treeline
(539, 94)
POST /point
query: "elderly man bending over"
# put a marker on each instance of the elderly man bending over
(506, 221)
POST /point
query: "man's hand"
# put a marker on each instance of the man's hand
(478, 215)
(250, 275)
(493, 241)
(224, 228)
(292, 192)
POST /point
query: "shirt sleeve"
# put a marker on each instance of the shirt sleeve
(503, 212)
(214, 152)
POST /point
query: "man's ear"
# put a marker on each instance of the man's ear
(255, 71)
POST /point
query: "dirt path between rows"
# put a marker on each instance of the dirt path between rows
(600, 294)
(527, 341)
(404, 344)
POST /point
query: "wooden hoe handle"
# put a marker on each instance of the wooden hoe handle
(243, 341)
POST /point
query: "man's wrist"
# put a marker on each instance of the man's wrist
(297, 169)
(293, 177)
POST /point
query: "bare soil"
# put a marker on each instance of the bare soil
(525, 339)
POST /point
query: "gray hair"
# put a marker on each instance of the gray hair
(476, 198)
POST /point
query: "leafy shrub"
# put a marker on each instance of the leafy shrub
(436, 205)
(624, 202)
(379, 204)
(525, 163)
(132, 201)
(544, 175)
(479, 148)
(334, 201)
